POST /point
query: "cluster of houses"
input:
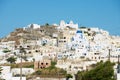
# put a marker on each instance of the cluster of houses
(74, 48)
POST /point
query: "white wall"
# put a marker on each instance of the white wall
(118, 76)
(18, 78)
(25, 71)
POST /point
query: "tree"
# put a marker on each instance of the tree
(68, 76)
(6, 50)
(52, 65)
(47, 24)
(22, 50)
(0, 73)
(103, 71)
(38, 72)
(11, 60)
(43, 44)
(1, 70)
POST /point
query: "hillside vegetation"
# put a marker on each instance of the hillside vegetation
(102, 71)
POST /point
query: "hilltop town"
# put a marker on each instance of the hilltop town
(73, 48)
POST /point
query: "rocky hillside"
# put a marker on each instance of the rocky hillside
(29, 33)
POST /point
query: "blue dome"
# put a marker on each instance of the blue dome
(78, 31)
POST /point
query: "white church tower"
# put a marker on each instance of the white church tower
(70, 24)
(62, 24)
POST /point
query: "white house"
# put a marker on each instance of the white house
(25, 71)
(8, 75)
(79, 44)
(32, 26)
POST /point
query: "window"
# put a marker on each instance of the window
(95, 57)
(46, 63)
(92, 57)
(36, 50)
(99, 57)
(41, 63)
(28, 46)
(88, 34)
(29, 52)
(84, 53)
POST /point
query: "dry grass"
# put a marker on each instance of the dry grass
(18, 65)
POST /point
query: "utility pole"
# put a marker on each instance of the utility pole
(109, 54)
(59, 75)
(89, 45)
(118, 59)
(118, 67)
(22, 50)
(21, 62)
